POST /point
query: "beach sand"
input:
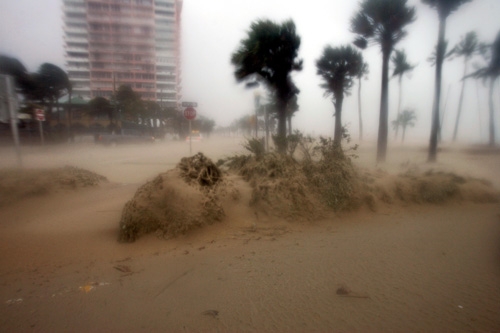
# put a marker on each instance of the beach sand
(404, 267)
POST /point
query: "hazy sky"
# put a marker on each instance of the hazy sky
(31, 30)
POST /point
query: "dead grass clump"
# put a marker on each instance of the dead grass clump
(333, 177)
(177, 201)
(17, 184)
(280, 187)
(199, 169)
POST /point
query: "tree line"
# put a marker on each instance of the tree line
(268, 55)
(45, 87)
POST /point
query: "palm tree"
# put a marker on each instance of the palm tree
(444, 9)
(466, 48)
(382, 22)
(491, 72)
(363, 73)
(401, 67)
(269, 55)
(338, 67)
(404, 119)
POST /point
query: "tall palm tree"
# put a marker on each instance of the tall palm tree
(268, 55)
(466, 48)
(363, 73)
(444, 8)
(405, 119)
(491, 72)
(401, 67)
(382, 22)
(338, 67)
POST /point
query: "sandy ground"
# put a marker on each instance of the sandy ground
(408, 268)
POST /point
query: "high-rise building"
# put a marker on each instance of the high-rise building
(134, 42)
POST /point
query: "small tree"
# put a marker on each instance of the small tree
(405, 119)
(401, 67)
(338, 67)
(101, 106)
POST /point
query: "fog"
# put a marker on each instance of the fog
(211, 30)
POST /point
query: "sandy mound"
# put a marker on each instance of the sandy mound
(433, 187)
(187, 197)
(17, 184)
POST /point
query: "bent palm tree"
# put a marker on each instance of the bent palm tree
(491, 72)
(382, 22)
(269, 55)
(444, 9)
(363, 73)
(466, 48)
(338, 67)
(401, 67)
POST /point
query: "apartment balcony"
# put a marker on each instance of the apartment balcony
(80, 60)
(73, 39)
(76, 49)
(74, 10)
(74, 2)
(74, 29)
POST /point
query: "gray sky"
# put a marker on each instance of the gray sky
(31, 30)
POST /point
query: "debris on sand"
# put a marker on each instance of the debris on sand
(17, 184)
(177, 201)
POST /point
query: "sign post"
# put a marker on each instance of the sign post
(40, 116)
(8, 108)
(189, 114)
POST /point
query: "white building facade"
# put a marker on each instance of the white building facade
(109, 43)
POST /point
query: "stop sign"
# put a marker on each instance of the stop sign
(39, 115)
(189, 113)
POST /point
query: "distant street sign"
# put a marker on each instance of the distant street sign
(39, 115)
(190, 113)
(189, 104)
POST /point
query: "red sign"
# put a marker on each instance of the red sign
(190, 113)
(39, 115)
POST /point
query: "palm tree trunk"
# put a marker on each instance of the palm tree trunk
(359, 112)
(399, 103)
(492, 112)
(289, 119)
(337, 137)
(432, 155)
(281, 139)
(459, 111)
(479, 113)
(404, 131)
(384, 108)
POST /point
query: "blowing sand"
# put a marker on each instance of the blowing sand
(404, 267)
